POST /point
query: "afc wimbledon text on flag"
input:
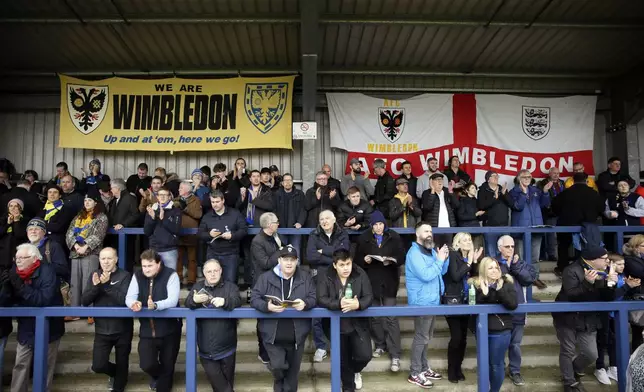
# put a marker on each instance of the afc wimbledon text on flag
(487, 132)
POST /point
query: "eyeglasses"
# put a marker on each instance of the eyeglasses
(508, 246)
(23, 257)
(526, 177)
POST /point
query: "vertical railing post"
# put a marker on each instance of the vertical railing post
(122, 249)
(527, 257)
(191, 353)
(41, 346)
(335, 354)
(482, 355)
(623, 351)
(620, 241)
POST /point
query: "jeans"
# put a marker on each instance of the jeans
(3, 344)
(386, 330)
(319, 338)
(514, 353)
(536, 249)
(423, 333)
(498, 344)
(551, 238)
(295, 240)
(571, 360)
(170, 258)
(228, 264)
(491, 248)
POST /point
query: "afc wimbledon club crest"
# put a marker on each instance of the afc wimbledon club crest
(536, 122)
(392, 122)
(265, 104)
(87, 106)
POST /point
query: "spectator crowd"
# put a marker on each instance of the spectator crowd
(55, 250)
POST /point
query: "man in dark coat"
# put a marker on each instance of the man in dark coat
(384, 190)
(354, 213)
(34, 284)
(320, 197)
(51, 251)
(162, 226)
(385, 281)
(71, 196)
(219, 181)
(333, 183)
(94, 177)
(411, 179)
(122, 212)
(582, 281)
(138, 183)
(495, 201)
(439, 207)
(107, 287)
(333, 285)
(574, 206)
(289, 207)
(404, 209)
(607, 181)
(284, 339)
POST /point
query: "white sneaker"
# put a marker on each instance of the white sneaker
(602, 376)
(357, 379)
(319, 355)
(612, 372)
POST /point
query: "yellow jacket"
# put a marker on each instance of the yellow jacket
(589, 181)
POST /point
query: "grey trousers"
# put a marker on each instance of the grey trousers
(22, 368)
(423, 333)
(577, 350)
(82, 269)
(386, 330)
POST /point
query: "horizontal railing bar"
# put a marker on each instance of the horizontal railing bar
(385, 311)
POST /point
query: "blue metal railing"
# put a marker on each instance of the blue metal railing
(620, 308)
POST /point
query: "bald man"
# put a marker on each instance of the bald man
(107, 287)
(333, 183)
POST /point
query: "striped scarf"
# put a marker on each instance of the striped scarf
(250, 209)
(80, 229)
(52, 208)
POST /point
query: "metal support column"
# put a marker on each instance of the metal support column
(309, 35)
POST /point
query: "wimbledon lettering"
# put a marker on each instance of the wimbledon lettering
(175, 112)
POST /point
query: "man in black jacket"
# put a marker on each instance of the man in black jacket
(355, 212)
(138, 183)
(321, 196)
(384, 190)
(216, 337)
(574, 206)
(385, 281)
(57, 215)
(107, 287)
(289, 207)
(607, 181)
(71, 196)
(346, 287)
(122, 212)
(162, 226)
(583, 281)
(223, 228)
(439, 206)
(284, 339)
(156, 287)
(219, 181)
(495, 201)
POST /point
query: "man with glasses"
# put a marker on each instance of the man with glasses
(527, 201)
(333, 183)
(162, 226)
(265, 249)
(321, 196)
(583, 281)
(523, 274)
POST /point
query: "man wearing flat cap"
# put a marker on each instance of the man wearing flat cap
(586, 280)
(360, 181)
(404, 210)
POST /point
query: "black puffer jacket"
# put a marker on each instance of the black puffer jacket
(466, 212)
(110, 294)
(431, 205)
(506, 296)
(385, 280)
(318, 240)
(575, 288)
(362, 212)
(497, 210)
(329, 288)
(216, 336)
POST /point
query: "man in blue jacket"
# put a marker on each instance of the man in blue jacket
(424, 270)
(524, 275)
(284, 338)
(527, 201)
(162, 226)
(34, 284)
(222, 229)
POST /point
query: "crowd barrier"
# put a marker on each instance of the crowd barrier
(621, 309)
(511, 230)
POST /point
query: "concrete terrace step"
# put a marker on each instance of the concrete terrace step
(542, 379)
(79, 362)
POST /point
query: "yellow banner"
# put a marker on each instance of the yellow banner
(176, 114)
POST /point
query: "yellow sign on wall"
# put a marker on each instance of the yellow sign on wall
(176, 114)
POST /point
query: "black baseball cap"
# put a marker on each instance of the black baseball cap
(288, 251)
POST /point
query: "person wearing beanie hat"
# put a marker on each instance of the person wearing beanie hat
(354, 212)
(198, 187)
(18, 202)
(404, 210)
(385, 280)
(91, 179)
(586, 280)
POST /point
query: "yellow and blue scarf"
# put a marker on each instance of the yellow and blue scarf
(52, 208)
(80, 229)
